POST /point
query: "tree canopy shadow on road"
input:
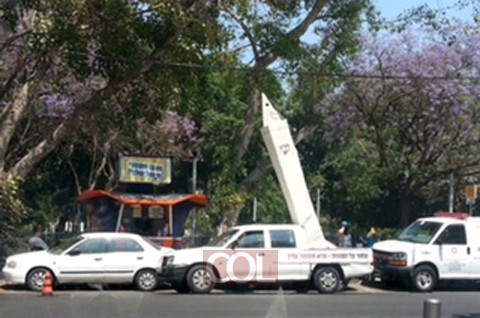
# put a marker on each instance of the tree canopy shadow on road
(463, 286)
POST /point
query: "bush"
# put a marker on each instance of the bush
(12, 212)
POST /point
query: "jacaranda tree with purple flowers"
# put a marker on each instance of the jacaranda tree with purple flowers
(409, 114)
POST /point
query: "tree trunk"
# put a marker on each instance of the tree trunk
(405, 208)
(229, 219)
(11, 119)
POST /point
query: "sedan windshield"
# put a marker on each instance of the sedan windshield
(65, 243)
(222, 239)
(420, 232)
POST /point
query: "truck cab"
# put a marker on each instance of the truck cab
(262, 254)
(443, 247)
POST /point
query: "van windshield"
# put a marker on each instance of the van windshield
(420, 232)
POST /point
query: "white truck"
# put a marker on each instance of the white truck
(443, 247)
(264, 254)
(278, 254)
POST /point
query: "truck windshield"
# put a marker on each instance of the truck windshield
(222, 239)
(420, 232)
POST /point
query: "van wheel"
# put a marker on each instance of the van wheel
(327, 280)
(200, 279)
(424, 278)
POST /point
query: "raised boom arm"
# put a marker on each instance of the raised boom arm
(284, 156)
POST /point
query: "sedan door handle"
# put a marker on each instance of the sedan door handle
(468, 250)
(98, 258)
(139, 257)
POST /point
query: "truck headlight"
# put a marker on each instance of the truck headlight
(397, 259)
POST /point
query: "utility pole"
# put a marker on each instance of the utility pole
(194, 191)
(451, 197)
(194, 175)
(255, 210)
(319, 204)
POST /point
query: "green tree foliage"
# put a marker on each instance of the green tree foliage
(12, 212)
(86, 80)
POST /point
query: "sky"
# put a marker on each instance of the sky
(392, 8)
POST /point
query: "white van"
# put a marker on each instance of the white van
(443, 247)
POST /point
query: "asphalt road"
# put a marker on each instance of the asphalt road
(361, 303)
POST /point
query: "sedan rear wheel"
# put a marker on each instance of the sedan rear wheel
(146, 280)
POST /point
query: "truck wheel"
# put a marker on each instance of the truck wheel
(199, 279)
(424, 278)
(146, 280)
(327, 280)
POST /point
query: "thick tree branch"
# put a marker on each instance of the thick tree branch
(11, 119)
(260, 65)
(9, 42)
(245, 29)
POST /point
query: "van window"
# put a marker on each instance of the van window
(282, 238)
(453, 235)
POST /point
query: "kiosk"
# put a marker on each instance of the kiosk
(160, 217)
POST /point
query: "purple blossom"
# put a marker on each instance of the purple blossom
(56, 106)
(178, 129)
(420, 82)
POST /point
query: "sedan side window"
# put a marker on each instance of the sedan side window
(92, 246)
(125, 245)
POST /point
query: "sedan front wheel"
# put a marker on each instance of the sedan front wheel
(35, 279)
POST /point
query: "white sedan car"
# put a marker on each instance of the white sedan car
(93, 258)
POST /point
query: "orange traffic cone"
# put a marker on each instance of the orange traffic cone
(47, 284)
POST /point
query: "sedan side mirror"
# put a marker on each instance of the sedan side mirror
(74, 253)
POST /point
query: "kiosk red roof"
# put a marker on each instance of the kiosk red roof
(145, 199)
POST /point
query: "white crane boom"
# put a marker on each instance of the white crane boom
(284, 156)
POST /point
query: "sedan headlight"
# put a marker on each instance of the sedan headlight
(11, 264)
(397, 259)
